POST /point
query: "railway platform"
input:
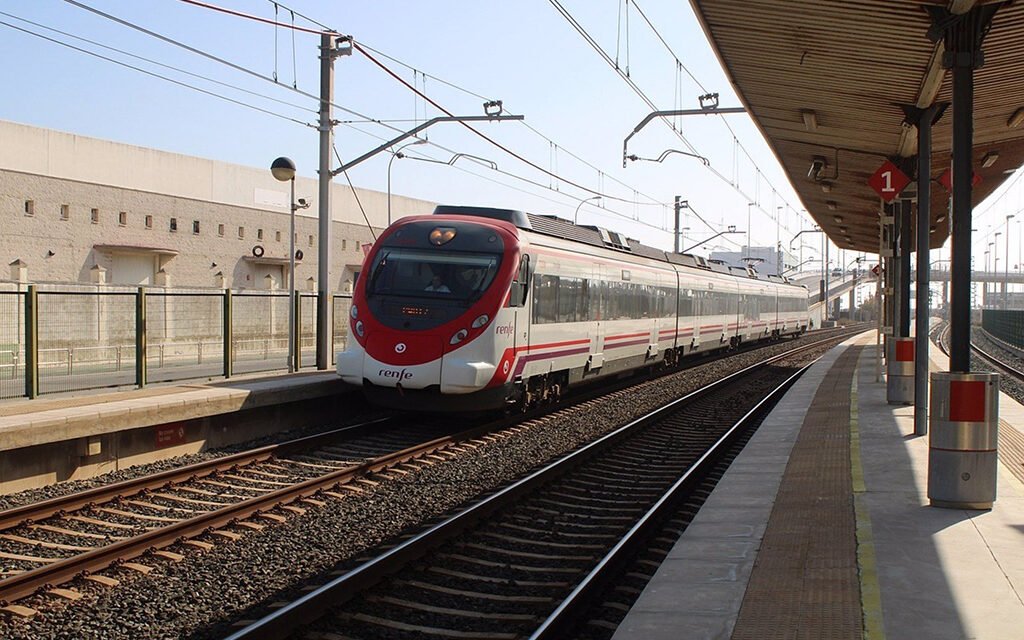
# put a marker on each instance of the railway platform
(73, 437)
(821, 529)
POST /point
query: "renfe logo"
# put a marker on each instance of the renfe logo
(397, 375)
(505, 329)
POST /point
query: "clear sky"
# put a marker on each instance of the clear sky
(523, 52)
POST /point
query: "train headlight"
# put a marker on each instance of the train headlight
(441, 235)
(480, 321)
(459, 336)
(359, 328)
(354, 311)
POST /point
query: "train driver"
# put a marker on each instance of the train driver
(437, 286)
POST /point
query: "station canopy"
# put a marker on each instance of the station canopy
(827, 81)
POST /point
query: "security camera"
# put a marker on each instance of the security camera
(302, 203)
(817, 165)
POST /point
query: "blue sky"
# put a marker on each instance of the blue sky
(523, 53)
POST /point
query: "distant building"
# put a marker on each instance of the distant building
(88, 211)
(764, 259)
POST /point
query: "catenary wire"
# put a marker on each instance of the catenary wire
(268, 79)
(157, 75)
(160, 64)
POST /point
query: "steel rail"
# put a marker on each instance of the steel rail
(567, 614)
(21, 585)
(25, 584)
(315, 603)
(997, 363)
(75, 501)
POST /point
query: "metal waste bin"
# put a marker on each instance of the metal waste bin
(899, 370)
(962, 451)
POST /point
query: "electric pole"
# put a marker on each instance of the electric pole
(676, 241)
(330, 48)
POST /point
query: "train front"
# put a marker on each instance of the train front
(430, 317)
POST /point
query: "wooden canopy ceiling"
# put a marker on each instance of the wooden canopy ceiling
(825, 79)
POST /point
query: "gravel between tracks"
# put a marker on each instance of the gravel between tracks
(30, 496)
(195, 597)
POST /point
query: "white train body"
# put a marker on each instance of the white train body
(474, 309)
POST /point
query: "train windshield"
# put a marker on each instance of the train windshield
(429, 273)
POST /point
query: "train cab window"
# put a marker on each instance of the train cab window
(398, 271)
(521, 283)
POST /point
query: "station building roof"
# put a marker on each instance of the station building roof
(827, 80)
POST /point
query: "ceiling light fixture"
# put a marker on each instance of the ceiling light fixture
(810, 119)
(1016, 119)
(831, 204)
(989, 159)
(838, 219)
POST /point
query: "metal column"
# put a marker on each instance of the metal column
(324, 301)
(962, 455)
(924, 193)
(906, 237)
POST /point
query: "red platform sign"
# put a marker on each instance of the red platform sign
(170, 435)
(875, 270)
(888, 181)
(946, 179)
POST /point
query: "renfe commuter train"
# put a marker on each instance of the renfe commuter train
(475, 309)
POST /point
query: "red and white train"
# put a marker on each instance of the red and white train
(475, 309)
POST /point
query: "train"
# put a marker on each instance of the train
(475, 309)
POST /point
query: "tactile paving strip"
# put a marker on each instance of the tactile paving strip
(1011, 449)
(804, 582)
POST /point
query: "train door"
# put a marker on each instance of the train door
(520, 300)
(599, 291)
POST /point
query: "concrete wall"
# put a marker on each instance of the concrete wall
(62, 178)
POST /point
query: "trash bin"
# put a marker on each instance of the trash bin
(962, 451)
(899, 370)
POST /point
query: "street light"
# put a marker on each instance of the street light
(582, 202)
(397, 154)
(283, 170)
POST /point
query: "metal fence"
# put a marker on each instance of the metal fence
(12, 350)
(1007, 325)
(61, 340)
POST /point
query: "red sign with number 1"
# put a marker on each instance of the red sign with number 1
(888, 181)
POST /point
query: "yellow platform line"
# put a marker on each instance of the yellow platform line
(870, 594)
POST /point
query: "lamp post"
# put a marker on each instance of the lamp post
(582, 202)
(283, 170)
(398, 154)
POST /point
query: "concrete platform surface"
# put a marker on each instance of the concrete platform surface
(27, 423)
(924, 572)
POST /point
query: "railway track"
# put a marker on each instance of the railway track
(527, 559)
(46, 544)
(50, 542)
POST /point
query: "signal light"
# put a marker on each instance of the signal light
(441, 235)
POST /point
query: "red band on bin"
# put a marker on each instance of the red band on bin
(967, 401)
(905, 351)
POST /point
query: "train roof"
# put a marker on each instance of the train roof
(556, 227)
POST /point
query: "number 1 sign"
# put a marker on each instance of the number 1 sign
(888, 181)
